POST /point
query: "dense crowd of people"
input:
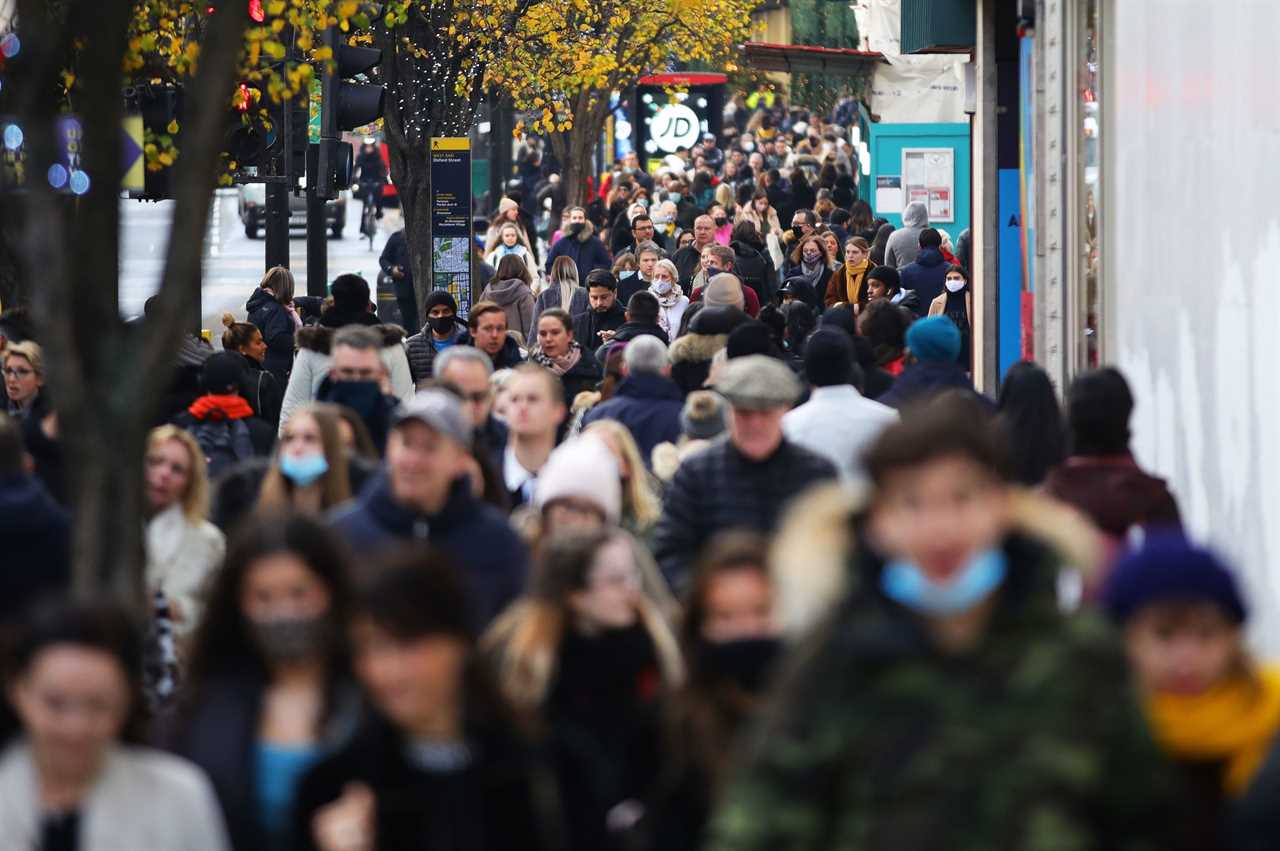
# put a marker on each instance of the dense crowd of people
(693, 532)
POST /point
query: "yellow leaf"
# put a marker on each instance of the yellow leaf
(173, 127)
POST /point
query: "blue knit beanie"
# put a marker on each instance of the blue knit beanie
(1167, 567)
(934, 339)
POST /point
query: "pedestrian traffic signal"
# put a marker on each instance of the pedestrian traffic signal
(356, 103)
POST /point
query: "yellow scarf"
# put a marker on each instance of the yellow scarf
(1235, 722)
(853, 279)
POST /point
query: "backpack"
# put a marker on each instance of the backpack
(224, 444)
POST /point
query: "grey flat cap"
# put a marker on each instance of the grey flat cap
(438, 410)
(758, 383)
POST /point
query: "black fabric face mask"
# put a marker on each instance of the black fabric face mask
(746, 663)
(441, 324)
(360, 396)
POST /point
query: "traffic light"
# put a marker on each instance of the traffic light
(161, 109)
(345, 104)
(247, 141)
(357, 104)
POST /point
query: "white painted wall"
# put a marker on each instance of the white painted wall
(1193, 262)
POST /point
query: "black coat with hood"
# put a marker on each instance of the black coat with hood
(585, 248)
(277, 328)
(927, 276)
(708, 333)
(755, 269)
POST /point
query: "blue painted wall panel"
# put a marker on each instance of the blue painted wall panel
(886, 143)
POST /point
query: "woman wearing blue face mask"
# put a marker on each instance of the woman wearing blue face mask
(312, 471)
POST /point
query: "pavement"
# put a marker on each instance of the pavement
(233, 263)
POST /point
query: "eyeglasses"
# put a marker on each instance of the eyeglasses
(18, 372)
(479, 397)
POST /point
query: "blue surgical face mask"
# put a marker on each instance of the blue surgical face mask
(905, 583)
(303, 470)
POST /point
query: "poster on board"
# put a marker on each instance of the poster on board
(929, 177)
(888, 194)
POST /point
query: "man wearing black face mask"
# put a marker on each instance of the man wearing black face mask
(442, 329)
(580, 243)
(356, 379)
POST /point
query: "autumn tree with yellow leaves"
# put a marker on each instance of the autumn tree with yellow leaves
(567, 61)
(106, 376)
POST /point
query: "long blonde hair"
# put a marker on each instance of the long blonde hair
(640, 503)
(276, 494)
(195, 499)
(564, 272)
(524, 642)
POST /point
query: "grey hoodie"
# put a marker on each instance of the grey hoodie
(516, 300)
(904, 243)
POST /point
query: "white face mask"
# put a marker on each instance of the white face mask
(662, 287)
(955, 286)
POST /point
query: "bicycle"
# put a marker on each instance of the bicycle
(368, 211)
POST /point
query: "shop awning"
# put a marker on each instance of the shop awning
(807, 58)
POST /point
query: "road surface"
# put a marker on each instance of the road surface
(233, 263)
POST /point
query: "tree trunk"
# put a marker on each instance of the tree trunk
(411, 120)
(106, 377)
(576, 147)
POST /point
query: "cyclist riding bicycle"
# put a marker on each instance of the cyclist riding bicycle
(370, 174)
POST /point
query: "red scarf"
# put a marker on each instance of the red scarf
(213, 407)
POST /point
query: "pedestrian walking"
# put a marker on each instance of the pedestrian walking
(425, 495)
(271, 309)
(183, 548)
(934, 344)
(730, 639)
(560, 352)
(443, 329)
(926, 274)
(563, 290)
(744, 481)
(672, 302)
(78, 777)
(1032, 422)
(903, 244)
(587, 652)
(837, 422)
(35, 531)
(957, 305)
(269, 689)
(260, 387)
(1213, 710)
(512, 290)
(440, 762)
(487, 323)
(1100, 476)
(950, 637)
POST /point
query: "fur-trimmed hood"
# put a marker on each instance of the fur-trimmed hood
(588, 231)
(810, 556)
(317, 338)
(697, 348)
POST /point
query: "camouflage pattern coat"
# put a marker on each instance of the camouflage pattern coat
(877, 740)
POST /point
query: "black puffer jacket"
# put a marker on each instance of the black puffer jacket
(719, 488)
(422, 352)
